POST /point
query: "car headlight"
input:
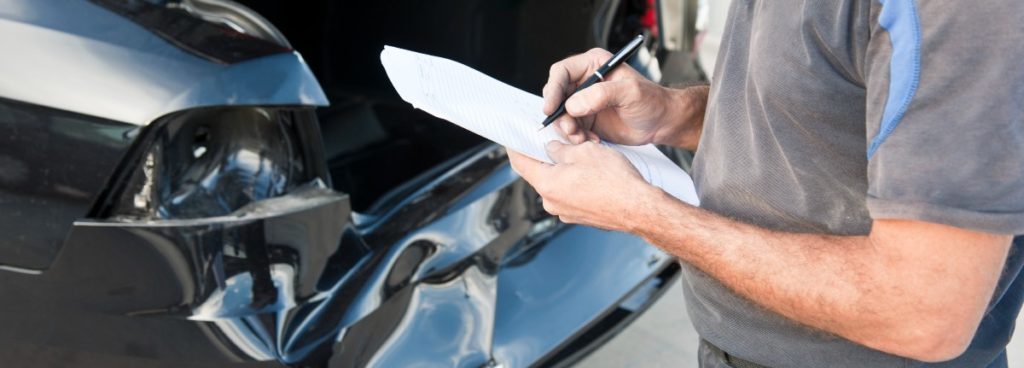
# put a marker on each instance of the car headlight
(212, 161)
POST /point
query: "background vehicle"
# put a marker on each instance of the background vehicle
(171, 196)
(710, 25)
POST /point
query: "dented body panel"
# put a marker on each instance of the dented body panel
(466, 271)
(203, 228)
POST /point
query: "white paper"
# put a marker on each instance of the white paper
(505, 114)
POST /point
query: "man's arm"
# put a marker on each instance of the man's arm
(909, 288)
(685, 130)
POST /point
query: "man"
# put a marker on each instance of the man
(861, 171)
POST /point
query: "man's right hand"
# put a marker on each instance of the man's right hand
(625, 108)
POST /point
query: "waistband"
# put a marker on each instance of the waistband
(730, 359)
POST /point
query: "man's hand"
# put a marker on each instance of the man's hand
(908, 288)
(589, 184)
(625, 108)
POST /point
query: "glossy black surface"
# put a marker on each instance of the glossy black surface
(512, 40)
(173, 21)
(52, 165)
(374, 147)
(464, 271)
(130, 294)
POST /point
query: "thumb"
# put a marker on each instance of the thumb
(525, 166)
(557, 151)
(598, 97)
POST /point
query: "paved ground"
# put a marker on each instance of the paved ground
(663, 337)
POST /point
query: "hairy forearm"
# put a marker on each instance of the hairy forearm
(846, 285)
(685, 117)
(813, 279)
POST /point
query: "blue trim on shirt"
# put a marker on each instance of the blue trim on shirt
(899, 18)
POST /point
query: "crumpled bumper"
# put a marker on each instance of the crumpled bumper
(466, 271)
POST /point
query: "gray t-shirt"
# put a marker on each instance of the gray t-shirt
(825, 114)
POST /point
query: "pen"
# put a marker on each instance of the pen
(599, 74)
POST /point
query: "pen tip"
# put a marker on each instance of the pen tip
(542, 127)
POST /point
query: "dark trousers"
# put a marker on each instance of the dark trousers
(710, 356)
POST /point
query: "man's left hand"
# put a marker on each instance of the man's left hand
(588, 184)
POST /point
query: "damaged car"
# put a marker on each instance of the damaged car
(176, 190)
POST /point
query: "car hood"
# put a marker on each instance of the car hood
(79, 56)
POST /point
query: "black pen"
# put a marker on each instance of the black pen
(599, 74)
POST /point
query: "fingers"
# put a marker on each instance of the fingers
(557, 151)
(553, 93)
(601, 96)
(525, 166)
(571, 130)
(562, 153)
(567, 126)
(565, 75)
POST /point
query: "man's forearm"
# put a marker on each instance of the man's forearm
(884, 297)
(686, 119)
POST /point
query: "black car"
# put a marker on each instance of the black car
(176, 191)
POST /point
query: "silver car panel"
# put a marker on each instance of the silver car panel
(80, 57)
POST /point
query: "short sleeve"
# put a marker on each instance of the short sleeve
(945, 135)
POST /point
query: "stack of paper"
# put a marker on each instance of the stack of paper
(505, 114)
